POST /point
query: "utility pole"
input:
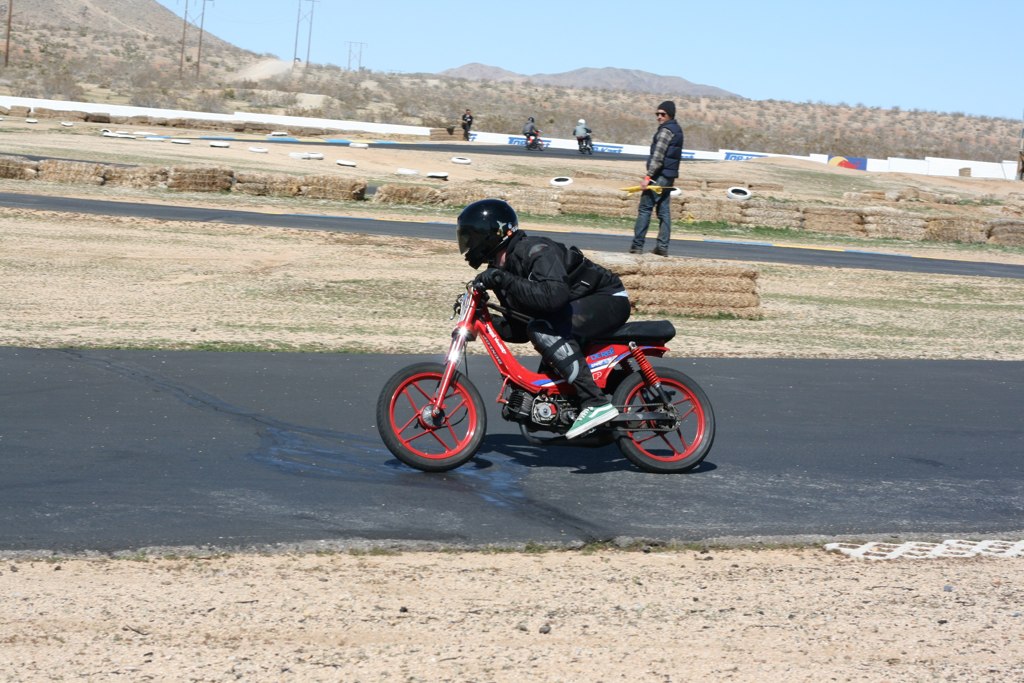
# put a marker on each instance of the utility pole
(309, 40)
(184, 28)
(298, 20)
(202, 21)
(7, 49)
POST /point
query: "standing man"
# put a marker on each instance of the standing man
(662, 170)
(467, 123)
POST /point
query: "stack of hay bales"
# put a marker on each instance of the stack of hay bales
(267, 184)
(598, 203)
(408, 194)
(522, 199)
(446, 133)
(200, 179)
(18, 168)
(659, 286)
(834, 219)
(956, 229)
(761, 213)
(887, 222)
(1008, 232)
(703, 209)
(333, 187)
(76, 172)
(138, 176)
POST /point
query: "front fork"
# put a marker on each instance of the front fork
(431, 413)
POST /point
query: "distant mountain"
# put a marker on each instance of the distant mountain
(607, 78)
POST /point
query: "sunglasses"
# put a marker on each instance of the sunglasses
(660, 113)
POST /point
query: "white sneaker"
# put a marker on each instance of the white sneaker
(591, 418)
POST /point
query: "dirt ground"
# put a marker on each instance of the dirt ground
(720, 613)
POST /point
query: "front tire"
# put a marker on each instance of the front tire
(431, 444)
(678, 447)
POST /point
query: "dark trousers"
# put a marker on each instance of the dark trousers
(658, 203)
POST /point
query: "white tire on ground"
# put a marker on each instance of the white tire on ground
(258, 150)
(461, 160)
(407, 171)
(31, 120)
(179, 141)
(439, 175)
(561, 181)
(277, 134)
(739, 194)
(346, 162)
(220, 144)
(306, 155)
(359, 145)
(67, 124)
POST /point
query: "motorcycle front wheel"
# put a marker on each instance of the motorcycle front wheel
(432, 443)
(662, 447)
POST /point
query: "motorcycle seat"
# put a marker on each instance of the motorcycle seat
(641, 332)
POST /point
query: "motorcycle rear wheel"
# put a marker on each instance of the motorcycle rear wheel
(431, 444)
(652, 447)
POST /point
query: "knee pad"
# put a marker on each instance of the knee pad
(560, 353)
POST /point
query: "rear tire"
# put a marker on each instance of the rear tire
(430, 444)
(653, 448)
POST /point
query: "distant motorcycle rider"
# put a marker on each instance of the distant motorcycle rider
(530, 131)
(570, 298)
(582, 132)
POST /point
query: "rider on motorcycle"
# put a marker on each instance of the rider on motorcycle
(569, 298)
(581, 132)
(530, 130)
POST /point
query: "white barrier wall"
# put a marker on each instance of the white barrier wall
(1006, 170)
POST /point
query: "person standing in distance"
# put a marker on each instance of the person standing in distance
(662, 170)
(467, 123)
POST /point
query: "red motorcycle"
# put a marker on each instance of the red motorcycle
(431, 416)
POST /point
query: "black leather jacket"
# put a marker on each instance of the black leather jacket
(547, 275)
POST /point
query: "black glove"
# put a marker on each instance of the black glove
(492, 278)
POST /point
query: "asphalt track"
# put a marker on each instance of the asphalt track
(743, 250)
(121, 450)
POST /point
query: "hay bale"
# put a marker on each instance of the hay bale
(74, 172)
(596, 202)
(1008, 232)
(200, 179)
(18, 168)
(887, 222)
(19, 111)
(676, 287)
(766, 214)
(139, 176)
(408, 194)
(46, 113)
(702, 209)
(956, 229)
(333, 187)
(267, 184)
(834, 220)
(97, 117)
(761, 188)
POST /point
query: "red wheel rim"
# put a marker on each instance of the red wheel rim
(446, 437)
(675, 445)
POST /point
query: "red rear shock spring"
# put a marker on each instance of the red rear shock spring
(646, 369)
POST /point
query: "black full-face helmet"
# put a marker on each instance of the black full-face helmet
(484, 227)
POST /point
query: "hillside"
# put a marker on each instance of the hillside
(607, 78)
(130, 52)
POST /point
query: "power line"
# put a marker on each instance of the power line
(202, 21)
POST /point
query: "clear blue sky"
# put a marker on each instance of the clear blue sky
(937, 55)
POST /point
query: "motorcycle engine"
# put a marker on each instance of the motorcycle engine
(540, 410)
